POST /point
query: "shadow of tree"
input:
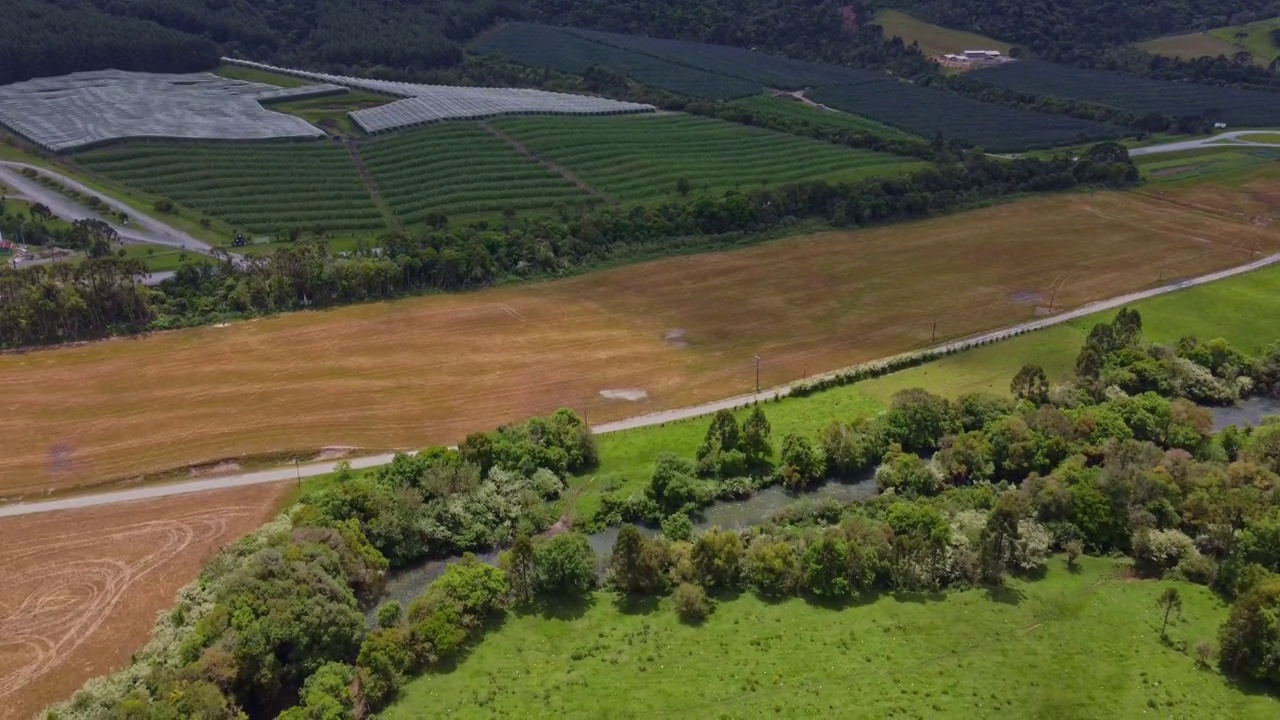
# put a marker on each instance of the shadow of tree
(1005, 594)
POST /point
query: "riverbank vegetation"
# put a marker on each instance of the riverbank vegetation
(1116, 460)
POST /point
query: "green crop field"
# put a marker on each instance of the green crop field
(260, 188)
(933, 39)
(461, 170)
(641, 158)
(1081, 644)
(790, 109)
(1138, 95)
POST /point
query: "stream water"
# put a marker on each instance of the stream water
(407, 584)
(1248, 412)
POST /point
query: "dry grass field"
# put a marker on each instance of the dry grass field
(80, 590)
(683, 330)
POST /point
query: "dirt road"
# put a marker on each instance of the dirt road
(140, 228)
(1227, 139)
(321, 468)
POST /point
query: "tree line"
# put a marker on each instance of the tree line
(441, 258)
(972, 491)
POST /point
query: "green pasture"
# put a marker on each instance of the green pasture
(641, 158)
(1082, 644)
(1253, 38)
(258, 188)
(248, 74)
(330, 111)
(933, 39)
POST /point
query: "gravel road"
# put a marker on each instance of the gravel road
(658, 418)
(1202, 143)
(140, 228)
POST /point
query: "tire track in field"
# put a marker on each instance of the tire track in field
(550, 165)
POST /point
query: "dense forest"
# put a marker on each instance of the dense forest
(1116, 460)
(100, 297)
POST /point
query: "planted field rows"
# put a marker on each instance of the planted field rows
(641, 159)
(259, 188)
(461, 170)
(1137, 95)
(928, 113)
(791, 109)
(722, 72)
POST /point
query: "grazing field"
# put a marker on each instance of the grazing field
(637, 159)
(1190, 46)
(927, 112)
(1138, 95)
(256, 187)
(1079, 644)
(934, 39)
(459, 170)
(795, 110)
(81, 589)
(330, 112)
(1253, 38)
(683, 330)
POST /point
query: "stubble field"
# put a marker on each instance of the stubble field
(80, 590)
(682, 330)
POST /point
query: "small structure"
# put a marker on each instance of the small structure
(982, 54)
(972, 59)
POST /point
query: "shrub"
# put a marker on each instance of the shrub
(717, 558)
(390, 614)
(825, 567)
(672, 487)
(1074, 549)
(906, 474)
(1199, 569)
(772, 567)
(800, 464)
(1249, 640)
(677, 528)
(1155, 551)
(566, 565)
(691, 602)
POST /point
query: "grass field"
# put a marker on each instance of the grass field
(248, 74)
(934, 40)
(257, 188)
(462, 171)
(330, 112)
(1070, 645)
(433, 369)
(1253, 38)
(639, 159)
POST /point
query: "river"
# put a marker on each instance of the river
(1247, 412)
(405, 585)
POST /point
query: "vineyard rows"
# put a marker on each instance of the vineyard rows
(641, 159)
(721, 72)
(794, 110)
(566, 51)
(461, 170)
(927, 112)
(258, 188)
(1138, 95)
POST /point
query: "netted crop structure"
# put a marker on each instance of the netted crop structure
(77, 111)
(424, 104)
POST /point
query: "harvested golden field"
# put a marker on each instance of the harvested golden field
(80, 589)
(682, 330)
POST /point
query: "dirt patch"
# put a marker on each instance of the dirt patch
(629, 395)
(333, 453)
(80, 590)
(1026, 296)
(433, 369)
(222, 468)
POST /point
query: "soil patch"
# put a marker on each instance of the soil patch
(80, 590)
(630, 395)
(1026, 296)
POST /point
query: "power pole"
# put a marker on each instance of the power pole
(933, 336)
(297, 468)
(757, 374)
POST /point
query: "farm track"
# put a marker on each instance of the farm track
(371, 185)
(554, 167)
(1220, 141)
(647, 420)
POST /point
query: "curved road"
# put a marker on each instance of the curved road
(141, 228)
(1203, 143)
(657, 418)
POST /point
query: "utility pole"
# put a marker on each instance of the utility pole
(933, 336)
(757, 374)
(297, 468)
